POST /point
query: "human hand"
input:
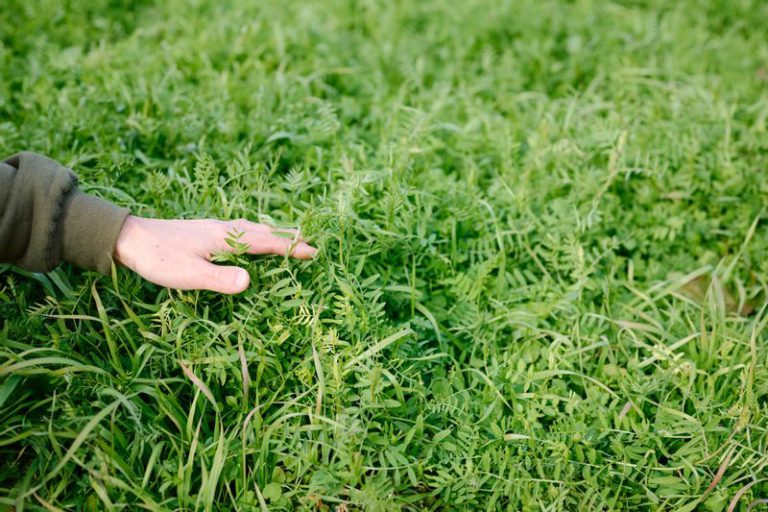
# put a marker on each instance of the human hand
(178, 253)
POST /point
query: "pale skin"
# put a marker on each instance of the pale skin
(178, 253)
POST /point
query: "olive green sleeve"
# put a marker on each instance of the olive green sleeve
(45, 219)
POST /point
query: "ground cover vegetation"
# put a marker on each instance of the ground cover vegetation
(543, 265)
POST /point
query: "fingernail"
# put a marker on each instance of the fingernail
(242, 279)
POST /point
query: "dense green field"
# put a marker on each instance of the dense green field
(543, 267)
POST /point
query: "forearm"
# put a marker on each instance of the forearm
(46, 219)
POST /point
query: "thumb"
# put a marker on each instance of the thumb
(217, 278)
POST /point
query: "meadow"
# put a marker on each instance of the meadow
(543, 268)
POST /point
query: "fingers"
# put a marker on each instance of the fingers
(221, 279)
(263, 239)
(283, 246)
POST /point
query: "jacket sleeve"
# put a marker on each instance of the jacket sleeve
(45, 219)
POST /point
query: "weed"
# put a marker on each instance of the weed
(542, 273)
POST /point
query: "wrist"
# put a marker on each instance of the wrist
(126, 240)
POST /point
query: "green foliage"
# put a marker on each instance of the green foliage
(542, 270)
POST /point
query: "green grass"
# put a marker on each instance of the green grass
(543, 269)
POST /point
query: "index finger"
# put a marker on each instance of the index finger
(265, 239)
